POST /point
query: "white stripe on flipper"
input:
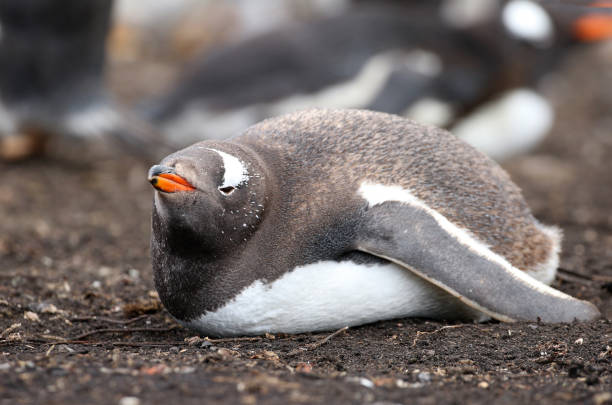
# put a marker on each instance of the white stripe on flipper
(376, 194)
(235, 173)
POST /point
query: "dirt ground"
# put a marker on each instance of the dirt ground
(80, 321)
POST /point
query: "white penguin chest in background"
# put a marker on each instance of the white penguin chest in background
(328, 295)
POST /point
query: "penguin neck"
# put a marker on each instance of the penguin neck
(183, 272)
(191, 277)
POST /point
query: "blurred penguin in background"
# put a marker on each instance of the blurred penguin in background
(472, 66)
(52, 56)
(468, 65)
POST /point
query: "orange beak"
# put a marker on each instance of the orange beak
(596, 26)
(164, 179)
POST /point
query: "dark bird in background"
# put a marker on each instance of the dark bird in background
(468, 65)
(52, 57)
(435, 61)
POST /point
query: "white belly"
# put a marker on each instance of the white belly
(329, 295)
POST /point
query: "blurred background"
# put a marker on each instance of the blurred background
(163, 75)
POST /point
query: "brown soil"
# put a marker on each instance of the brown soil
(74, 259)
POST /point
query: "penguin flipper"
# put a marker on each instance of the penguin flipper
(423, 241)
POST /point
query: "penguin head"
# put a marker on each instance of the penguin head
(209, 198)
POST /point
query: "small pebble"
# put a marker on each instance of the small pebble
(424, 377)
(129, 401)
(31, 316)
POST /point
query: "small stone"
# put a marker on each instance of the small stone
(579, 341)
(186, 370)
(424, 377)
(403, 384)
(31, 316)
(47, 308)
(129, 401)
(366, 383)
(361, 381)
(483, 385)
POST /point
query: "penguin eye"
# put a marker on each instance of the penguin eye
(227, 190)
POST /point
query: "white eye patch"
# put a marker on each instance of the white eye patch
(235, 173)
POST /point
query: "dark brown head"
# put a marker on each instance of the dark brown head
(209, 197)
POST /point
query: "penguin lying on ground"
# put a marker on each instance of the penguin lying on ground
(52, 56)
(433, 61)
(326, 218)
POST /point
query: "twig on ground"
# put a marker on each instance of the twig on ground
(96, 343)
(573, 279)
(123, 330)
(10, 329)
(315, 345)
(420, 333)
(135, 344)
(108, 320)
(235, 339)
(50, 350)
(573, 276)
(51, 337)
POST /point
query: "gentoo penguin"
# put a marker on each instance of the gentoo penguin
(434, 61)
(52, 56)
(325, 218)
